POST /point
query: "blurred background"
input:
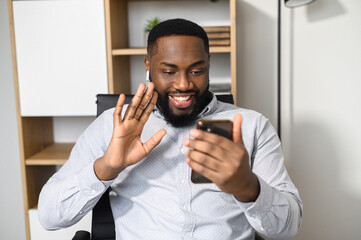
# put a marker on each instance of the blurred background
(316, 60)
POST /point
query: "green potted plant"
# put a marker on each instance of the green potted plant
(149, 25)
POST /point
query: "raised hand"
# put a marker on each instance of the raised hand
(125, 147)
(223, 161)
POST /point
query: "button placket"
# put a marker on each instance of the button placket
(186, 188)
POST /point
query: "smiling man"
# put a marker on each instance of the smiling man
(179, 68)
(138, 150)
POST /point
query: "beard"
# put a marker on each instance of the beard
(184, 120)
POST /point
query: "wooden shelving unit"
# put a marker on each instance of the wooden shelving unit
(39, 153)
(55, 154)
(119, 53)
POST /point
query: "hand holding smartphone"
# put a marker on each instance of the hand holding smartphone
(220, 127)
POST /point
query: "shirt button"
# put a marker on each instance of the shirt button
(183, 207)
(183, 149)
(93, 192)
(183, 181)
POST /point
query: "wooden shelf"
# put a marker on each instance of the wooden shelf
(143, 51)
(129, 51)
(56, 154)
(220, 49)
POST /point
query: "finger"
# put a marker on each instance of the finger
(204, 159)
(206, 148)
(148, 110)
(146, 97)
(129, 113)
(237, 129)
(203, 170)
(212, 138)
(154, 141)
(117, 115)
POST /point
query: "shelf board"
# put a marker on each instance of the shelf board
(220, 49)
(129, 51)
(143, 51)
(55, 154)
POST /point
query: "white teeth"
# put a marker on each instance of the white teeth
(181, 99)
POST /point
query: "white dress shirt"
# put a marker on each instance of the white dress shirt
(155, 199)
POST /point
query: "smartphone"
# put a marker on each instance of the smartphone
(220, 127)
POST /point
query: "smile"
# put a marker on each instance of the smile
(181, 101)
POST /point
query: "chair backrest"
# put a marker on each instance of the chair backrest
(107, 101)
(103, 227)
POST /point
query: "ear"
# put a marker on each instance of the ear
(146, 63)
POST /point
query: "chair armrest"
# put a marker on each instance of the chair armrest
(259, 237)
(81, 235)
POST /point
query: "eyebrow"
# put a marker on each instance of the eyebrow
(169, 64)
(175, 66)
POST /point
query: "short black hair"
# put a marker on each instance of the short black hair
(177, 26)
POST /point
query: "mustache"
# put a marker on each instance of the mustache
(176, 92)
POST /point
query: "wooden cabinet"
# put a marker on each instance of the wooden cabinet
(60, 54)
(59, 61)
(64, 53)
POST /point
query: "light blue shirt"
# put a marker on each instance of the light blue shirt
(155, 199)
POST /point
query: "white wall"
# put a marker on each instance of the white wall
(257, 56)
(12, 223)
(322, 115)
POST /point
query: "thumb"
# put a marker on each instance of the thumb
(154, 141)
(237, 129)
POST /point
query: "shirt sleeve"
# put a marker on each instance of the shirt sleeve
(277, 212)
(75, 189)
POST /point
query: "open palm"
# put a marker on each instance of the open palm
(126, 147)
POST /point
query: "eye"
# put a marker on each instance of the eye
(197, 72)
(168, 72)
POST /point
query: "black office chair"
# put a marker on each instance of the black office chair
(103, 227)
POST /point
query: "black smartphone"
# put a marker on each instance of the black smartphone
(220, 127)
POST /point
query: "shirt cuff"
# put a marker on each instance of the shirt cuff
(263, 203)
(88, 180)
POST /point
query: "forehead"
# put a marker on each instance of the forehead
(178, 49)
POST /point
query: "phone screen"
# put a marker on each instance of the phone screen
(220, 127)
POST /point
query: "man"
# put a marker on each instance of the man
(145, 153)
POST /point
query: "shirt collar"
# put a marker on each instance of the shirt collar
(212, 105)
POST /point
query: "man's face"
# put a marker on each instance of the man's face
(179, 69)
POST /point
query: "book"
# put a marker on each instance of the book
(218, 35)
(217, 29)
(219, 42)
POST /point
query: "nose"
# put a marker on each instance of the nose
(182, 83)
